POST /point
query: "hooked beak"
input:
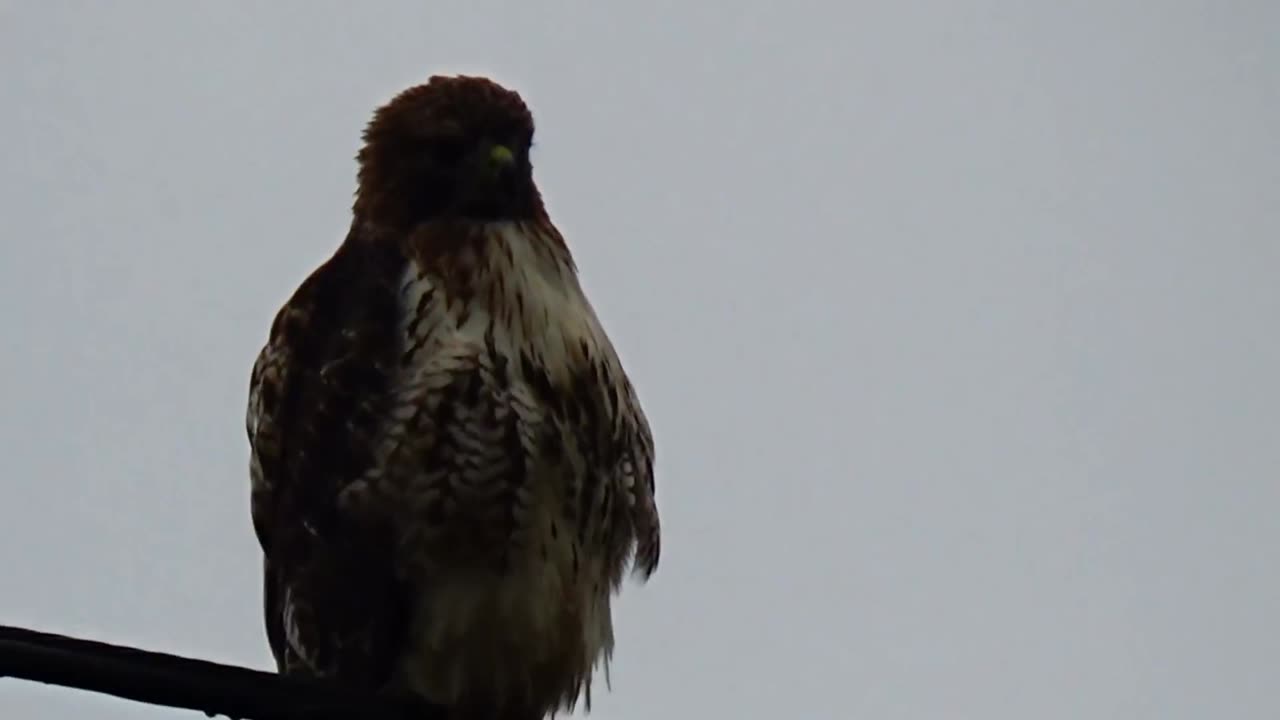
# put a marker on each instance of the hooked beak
(497, 184)
(501, 157)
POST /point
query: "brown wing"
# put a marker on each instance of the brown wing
(636, 471)
(611, 430)
(317, 391)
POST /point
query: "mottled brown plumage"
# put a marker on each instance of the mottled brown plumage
(451, 472)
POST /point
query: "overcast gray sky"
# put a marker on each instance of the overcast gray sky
(956, 323)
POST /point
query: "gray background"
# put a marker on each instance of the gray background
(957, 323)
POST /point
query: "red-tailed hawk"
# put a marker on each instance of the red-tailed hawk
(451, 473)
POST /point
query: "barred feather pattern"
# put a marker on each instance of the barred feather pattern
(469, 449)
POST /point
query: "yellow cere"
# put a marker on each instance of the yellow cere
(501, 155)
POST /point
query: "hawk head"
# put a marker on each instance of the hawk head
(454, 148)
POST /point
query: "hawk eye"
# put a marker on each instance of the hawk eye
(449, 149)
